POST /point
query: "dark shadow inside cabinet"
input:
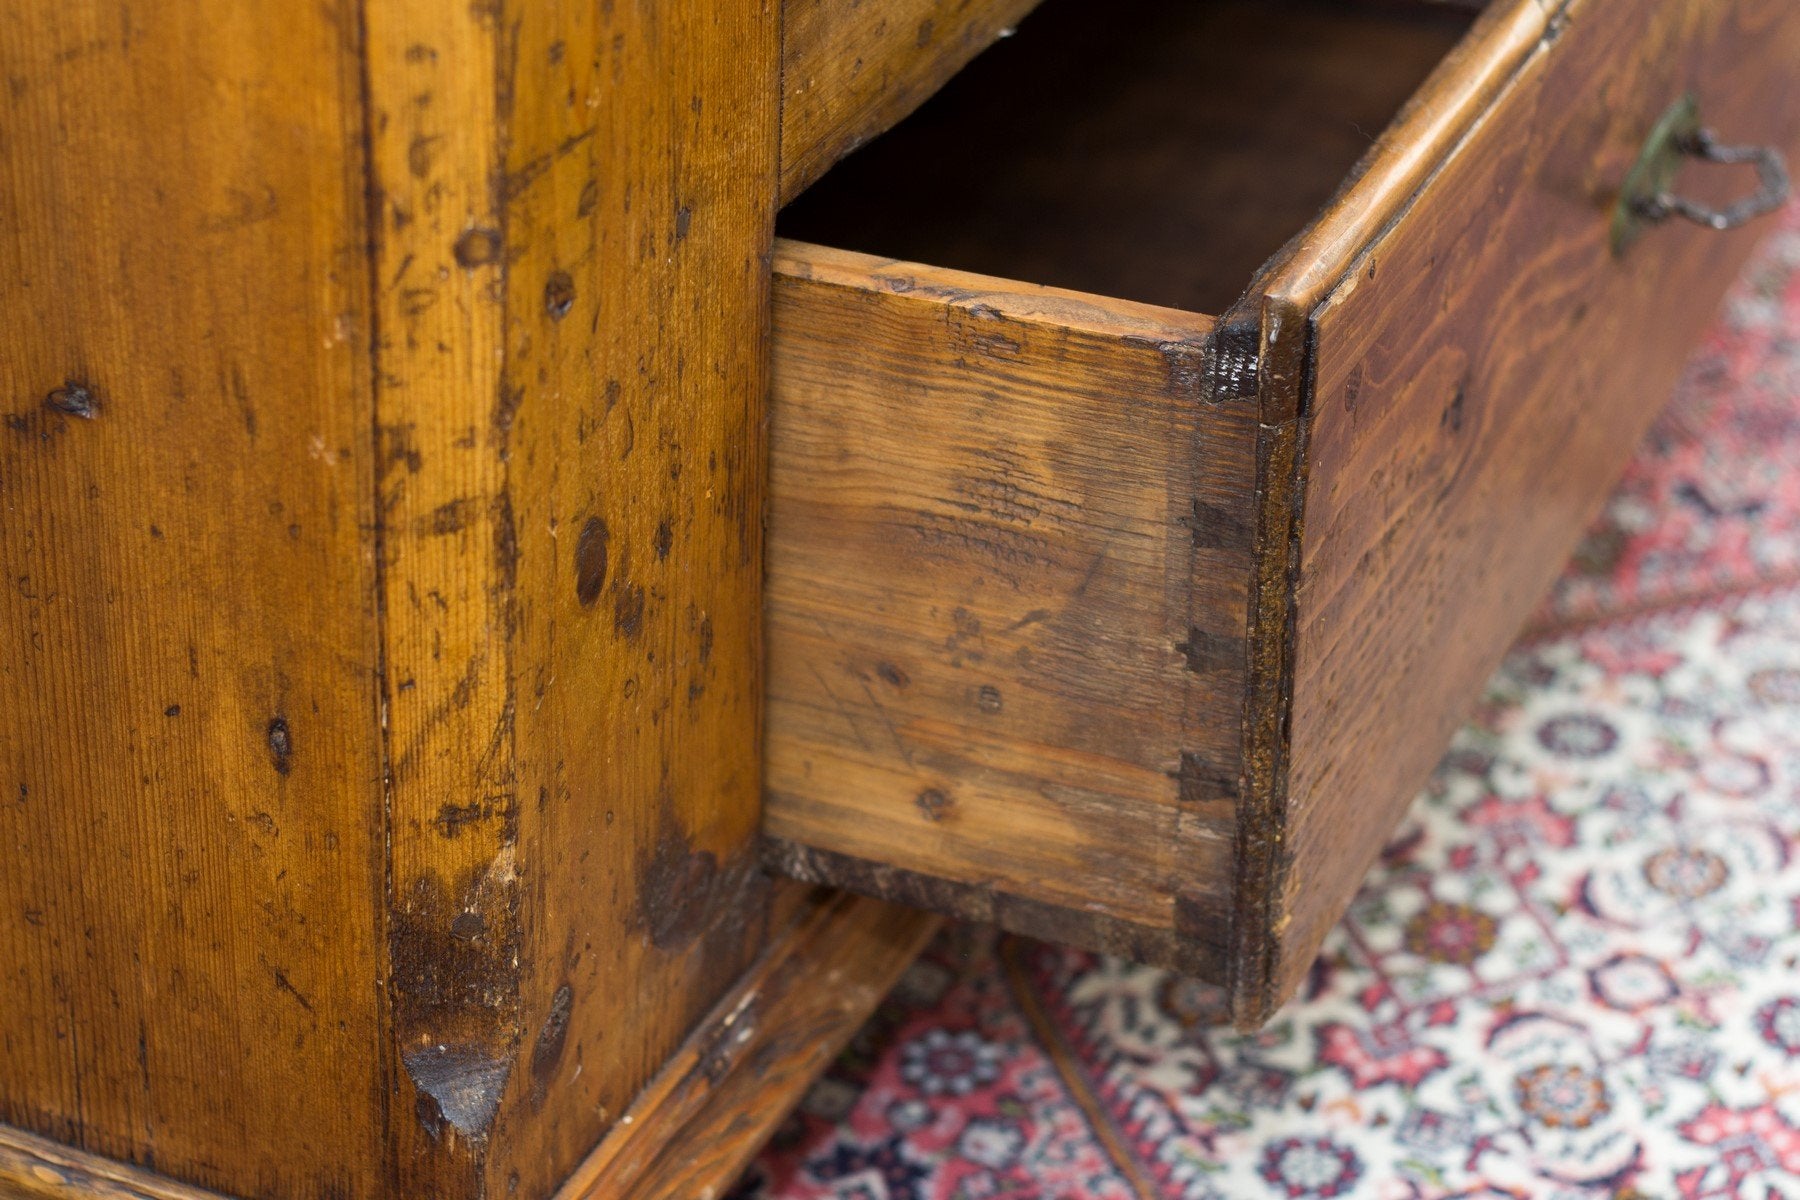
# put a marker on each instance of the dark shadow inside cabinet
(1156, 150)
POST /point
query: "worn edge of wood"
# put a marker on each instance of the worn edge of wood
(1173, 949)
(832, 963)
(1412, 149)
(1264, 344)
(36, 1168)
(1087, 312)
(1260, 852)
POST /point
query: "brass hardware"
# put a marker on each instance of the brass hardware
(1647, 198)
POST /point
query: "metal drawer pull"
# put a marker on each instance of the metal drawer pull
(1647, 197)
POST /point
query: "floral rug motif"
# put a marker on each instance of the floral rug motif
(1575, 973)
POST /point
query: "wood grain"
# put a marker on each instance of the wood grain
(1460, 380)
(689, 1134)
(189, 740)
(382, 481)
(1448, 368)
(1005, 597)
(852, 68)
(575, 211)
(447, 560)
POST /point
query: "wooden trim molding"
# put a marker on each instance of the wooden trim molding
(36, 1168)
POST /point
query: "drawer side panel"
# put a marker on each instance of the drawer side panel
(1006, 598)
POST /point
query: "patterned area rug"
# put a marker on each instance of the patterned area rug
(1574, 974)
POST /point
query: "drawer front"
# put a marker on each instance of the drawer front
(1480, 374)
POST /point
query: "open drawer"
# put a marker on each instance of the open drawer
(1137, 628)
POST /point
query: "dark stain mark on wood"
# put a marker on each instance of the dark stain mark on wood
(978, 330)
(506, 410)
(934, 803)
(1204, 920)
(1034, 617)
(1453, 412)
(1184, 363)
(590, 561)
(247, 208)
(455, 952)
(1232, 363)
(285, 984)
(559, 295)
(240, 392)
(1206, 651)
(988, 699)
(590, 196)
(518, 182)
(452, 819)
(477, 247)
(281, 745)
(706, 640)
(665, 538)
(399, 449)
(419, 153)
(1202, 780)
(1187, 368)
(547, 1051)
(449, 518)
(506, 557)
(459, 1086)
(75, 399)
(1213, 526)
(892, 676)
(679, 883)
(684, 220)
(628, 609)
(174, 710)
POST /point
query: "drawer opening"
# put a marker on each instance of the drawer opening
(1155, 150)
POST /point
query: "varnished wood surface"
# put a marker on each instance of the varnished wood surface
(1005, 597)
(852, 68)
(1477, 396)
(189, 741)
(574, 222)
(689, 1134)
(380, 494)
(1155, 151)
